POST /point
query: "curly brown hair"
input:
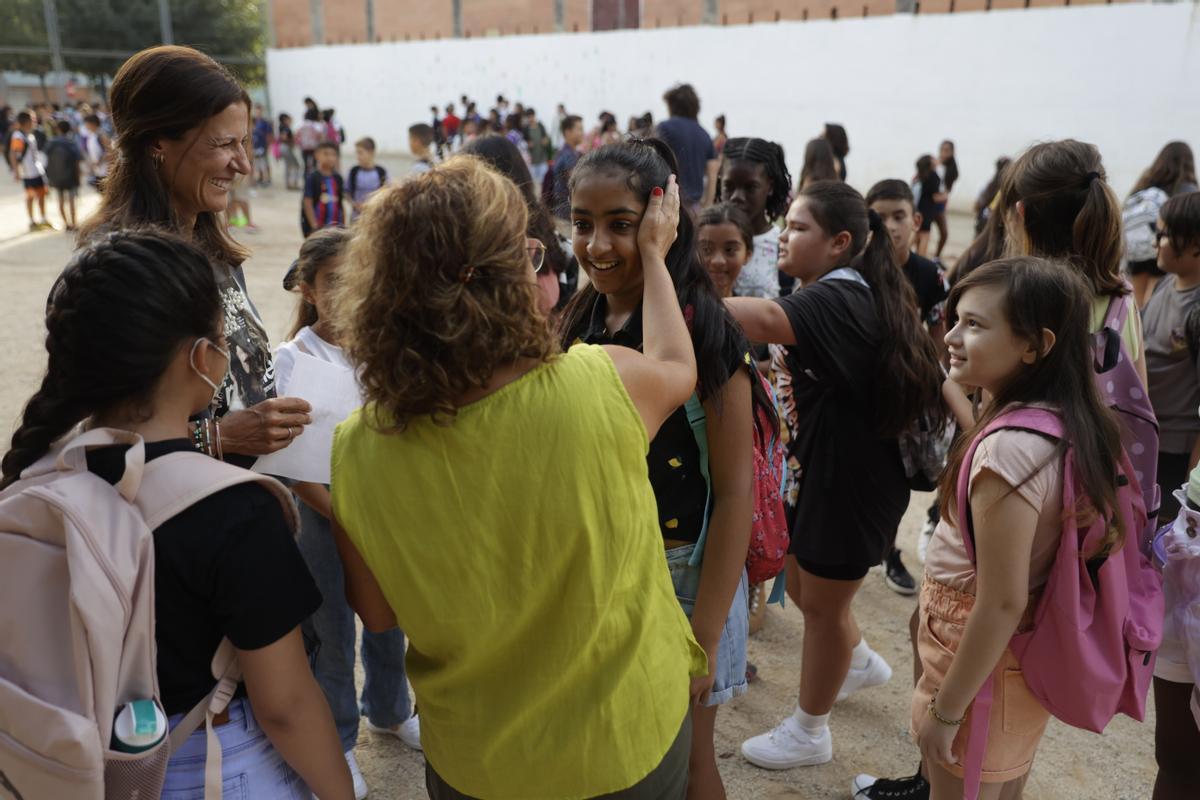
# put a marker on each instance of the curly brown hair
(436, 292)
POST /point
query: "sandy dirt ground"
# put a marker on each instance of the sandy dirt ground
(870, 729)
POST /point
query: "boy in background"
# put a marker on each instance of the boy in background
(893, 201)
(27, 167)
(324, 191)
(1171, 327)
(420, 143)
(366, 177)
(95, 147)
(564, 162)
(539, 147)
(64, 167)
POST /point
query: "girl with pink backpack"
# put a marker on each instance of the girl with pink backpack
(1036, 598)
(136, 346)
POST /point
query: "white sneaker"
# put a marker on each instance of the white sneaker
(408, 731)
(876, 672)
(923, 539)
(789, 746)
(360, 785)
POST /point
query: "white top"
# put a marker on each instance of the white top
(760, 276)
(304, 342)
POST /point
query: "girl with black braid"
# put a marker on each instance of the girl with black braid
(135, 343)
(754, 177)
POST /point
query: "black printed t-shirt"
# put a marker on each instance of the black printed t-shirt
(852, 488)
(674, 458)
(227, 566)
(930, 286)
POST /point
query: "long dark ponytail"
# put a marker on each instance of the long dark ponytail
(649, 163)
(908, 377)
(124, 306)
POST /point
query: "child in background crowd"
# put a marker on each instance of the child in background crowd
(1022, 337)
(540, 151)
(863, 370)
(287, 153)
(927, 191)
(1171, 326)
(135, 342)
(420, 144)
(27, 167)
(366, 177)
(987, 196)
(609, 189)
(1173, 172)
(385, 701)
(262, 137)
(754, 177)
(64, 167)
(947, 169)
(820, 164)
(308, 138)
(719, 139)
(725, 242)
(96, 145)
(324, 190)
(840, 143)
(237, 211)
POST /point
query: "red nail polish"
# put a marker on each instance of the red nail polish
(658, 192)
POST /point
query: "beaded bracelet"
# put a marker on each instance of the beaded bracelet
(206, 436)
(933, 712)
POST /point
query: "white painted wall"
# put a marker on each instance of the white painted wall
(1126, 77)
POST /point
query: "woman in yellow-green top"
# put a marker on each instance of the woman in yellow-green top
(492, 499)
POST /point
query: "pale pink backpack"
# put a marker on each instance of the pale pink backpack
(1089, 654)
(77, 619)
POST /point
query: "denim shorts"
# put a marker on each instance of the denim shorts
(251, 768)
(731, 652)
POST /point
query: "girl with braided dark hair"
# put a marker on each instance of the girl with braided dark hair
(135, 343)
(754, 177)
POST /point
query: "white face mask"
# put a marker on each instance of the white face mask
(192, 363)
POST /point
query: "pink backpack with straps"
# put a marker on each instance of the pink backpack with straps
(77, 618)
(1122, 390)
(1089, 654)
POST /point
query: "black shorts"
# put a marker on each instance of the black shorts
(1147, 267)
(834, 572)
(35, 183)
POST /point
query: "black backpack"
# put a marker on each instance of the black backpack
(62, 164)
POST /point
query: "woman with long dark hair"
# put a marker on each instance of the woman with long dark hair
(182, 128)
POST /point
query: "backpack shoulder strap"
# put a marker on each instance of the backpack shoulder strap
(177, 481)
(698, 422)
(1118, 309)
(1035, 420)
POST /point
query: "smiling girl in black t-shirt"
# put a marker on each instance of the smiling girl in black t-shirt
(135, 343)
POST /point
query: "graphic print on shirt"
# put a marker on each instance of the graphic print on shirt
(251, 377)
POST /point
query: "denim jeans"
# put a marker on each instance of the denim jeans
(385, 698)
(251, 768)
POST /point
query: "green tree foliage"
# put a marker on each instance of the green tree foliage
(219, 27)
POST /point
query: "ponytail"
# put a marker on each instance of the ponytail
(908, 372)
(1070, 212)
(908, 376)
(121, 311)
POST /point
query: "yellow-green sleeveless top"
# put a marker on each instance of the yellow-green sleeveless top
(519, 548)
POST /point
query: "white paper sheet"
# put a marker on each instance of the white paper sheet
(334, 394)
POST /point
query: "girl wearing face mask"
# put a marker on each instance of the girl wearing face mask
(134, 342)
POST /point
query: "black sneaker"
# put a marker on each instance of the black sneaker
(896, 576)
(868, 787)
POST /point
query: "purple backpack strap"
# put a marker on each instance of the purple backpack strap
(1118, 309)
(1037, 420)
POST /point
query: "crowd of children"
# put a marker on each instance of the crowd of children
(624, 377)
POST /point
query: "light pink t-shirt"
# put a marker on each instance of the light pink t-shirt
(1012, 455)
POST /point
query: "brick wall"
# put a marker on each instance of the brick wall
(345, 21)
